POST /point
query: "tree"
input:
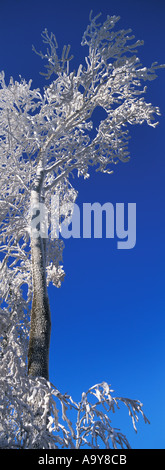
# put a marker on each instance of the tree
(45, 137)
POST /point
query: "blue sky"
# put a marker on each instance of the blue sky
(108, 317)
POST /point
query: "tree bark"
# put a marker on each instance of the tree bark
(40, 329)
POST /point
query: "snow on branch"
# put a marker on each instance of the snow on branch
(55, 65)
(50, 419)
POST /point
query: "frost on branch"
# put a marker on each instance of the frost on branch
(55, 65)
(111, 79)
(39, 416)
(55, 275)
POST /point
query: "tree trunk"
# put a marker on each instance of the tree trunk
(38, 354)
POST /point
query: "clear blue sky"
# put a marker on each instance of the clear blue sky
(108, 318)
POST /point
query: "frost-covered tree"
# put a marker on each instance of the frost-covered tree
(44, 138)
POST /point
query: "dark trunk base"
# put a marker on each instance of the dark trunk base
(38, 354)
